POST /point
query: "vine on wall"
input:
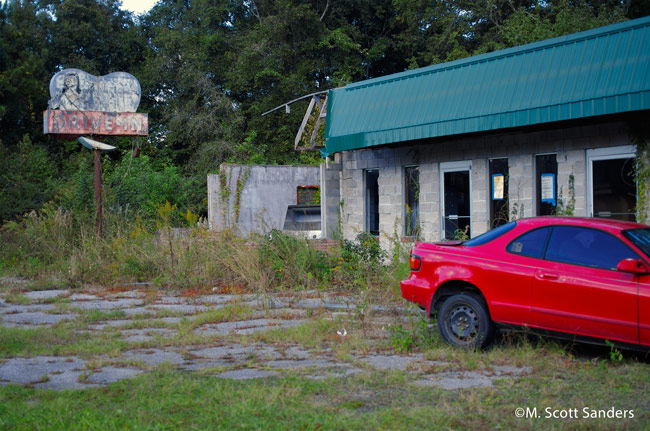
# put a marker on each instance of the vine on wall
(224, 192)
(642, 176)
(242, 177)
(640, 137)
(567, 209)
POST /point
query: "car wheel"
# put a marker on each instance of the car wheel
(464, 321)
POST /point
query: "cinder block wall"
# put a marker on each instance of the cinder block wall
(266, 192)
(569, 144)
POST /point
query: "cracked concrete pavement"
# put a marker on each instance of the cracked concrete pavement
(147, 322)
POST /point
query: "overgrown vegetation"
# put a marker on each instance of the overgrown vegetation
(59, 244)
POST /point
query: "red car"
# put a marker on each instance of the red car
(586, 278)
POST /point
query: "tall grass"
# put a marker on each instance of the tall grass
(61, 245)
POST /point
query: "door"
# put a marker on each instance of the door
(456, 189)
(577, 288)
(612, 187)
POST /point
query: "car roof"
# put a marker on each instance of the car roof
(595, 222)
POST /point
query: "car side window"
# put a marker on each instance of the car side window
(587, 247)
(530, 244)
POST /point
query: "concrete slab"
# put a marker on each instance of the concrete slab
(138, 310)
(455, 380)
(112, 374)
(106, 304)
(17, 308)
(39, 295)
(202, 364)
(146, 334)
(35, 318)
(55, 372)
(289, 364)
(244, 327)
(245, 374)
(391, 362)
(153, 357)
(322, 303)
(233, 353)
(183, 308)
(83, 297)
(109, 324)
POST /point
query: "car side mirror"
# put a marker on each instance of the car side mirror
(633, 266)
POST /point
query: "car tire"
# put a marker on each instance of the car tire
(464, 321)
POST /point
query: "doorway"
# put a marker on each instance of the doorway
(612, 186)
(456, 189)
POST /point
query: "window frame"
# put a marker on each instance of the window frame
(408, 233)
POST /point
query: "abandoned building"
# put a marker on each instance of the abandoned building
(457, 148)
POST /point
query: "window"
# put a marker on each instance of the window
(640, 238)
(587, 247)
(308, 195)
(372, 201)
(490, 235)
(531, 244)
(546, 183)
(412, 201)
(498, 192)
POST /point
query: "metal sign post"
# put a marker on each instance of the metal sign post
(83, 104)
(97, 148)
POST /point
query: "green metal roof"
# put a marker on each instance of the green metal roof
(596, 72)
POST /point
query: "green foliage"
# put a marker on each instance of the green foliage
(293, 262)
(364, 250)
(417, 333)
(136, 186)
(26, 179)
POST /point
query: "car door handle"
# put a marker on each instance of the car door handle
(548, 276)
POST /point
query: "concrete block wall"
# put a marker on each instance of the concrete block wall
(521, 147)
(265, 196)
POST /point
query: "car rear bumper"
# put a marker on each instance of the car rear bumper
(415, 292)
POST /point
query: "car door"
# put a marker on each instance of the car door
(644, 309)
(577, 288)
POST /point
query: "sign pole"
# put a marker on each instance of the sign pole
(98, 190)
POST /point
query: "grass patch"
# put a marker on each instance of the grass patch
(168, 400)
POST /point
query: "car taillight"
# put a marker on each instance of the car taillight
(415, 262)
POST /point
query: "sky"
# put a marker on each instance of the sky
(138, 6)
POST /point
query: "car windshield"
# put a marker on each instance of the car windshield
(640, 238)
(490, 235)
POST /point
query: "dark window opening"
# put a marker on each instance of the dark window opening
(372, 201)
(546, 184)
(412, 201)
(614, 189)
(498, 192)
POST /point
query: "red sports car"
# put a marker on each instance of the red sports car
(586, 278)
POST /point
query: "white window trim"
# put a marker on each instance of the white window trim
(465, 165)
(609, 153)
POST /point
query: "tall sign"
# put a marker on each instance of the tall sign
(83, 104)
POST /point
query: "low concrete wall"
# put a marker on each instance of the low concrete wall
(254, 198)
